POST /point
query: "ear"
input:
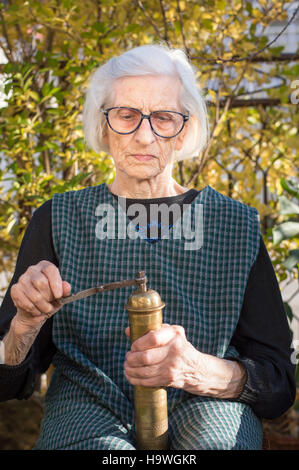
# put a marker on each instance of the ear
(105, 135)
(181, 137)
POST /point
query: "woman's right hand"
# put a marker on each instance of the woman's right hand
(36, 291)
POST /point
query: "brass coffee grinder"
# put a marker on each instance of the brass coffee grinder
(145, 313)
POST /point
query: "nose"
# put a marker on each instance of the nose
(144, 134)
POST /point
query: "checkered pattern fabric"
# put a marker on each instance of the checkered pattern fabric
(89, 403)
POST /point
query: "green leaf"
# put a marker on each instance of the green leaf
(290, 186)
(276, 51)
(8, 87)
(208, 24)
(55, 111)
(292, 260)
(287, 207)
(27, 178)
(249, 7)
(52, 145)
(10, 225)
(285, 231)
(46, 180)
(45, 89)
(39, 56)
(33, 95)
(252, 29)
(99, 27)
(133, 28)
(10, 68)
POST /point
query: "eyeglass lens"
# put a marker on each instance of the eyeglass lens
(125, 120)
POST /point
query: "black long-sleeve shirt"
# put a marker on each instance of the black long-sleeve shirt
(262, 336)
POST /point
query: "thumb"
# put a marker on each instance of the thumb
(66, 288)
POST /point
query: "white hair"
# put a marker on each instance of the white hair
(147, 60)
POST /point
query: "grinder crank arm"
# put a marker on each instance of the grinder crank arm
(94, 290)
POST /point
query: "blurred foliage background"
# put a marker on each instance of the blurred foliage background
(50, 48)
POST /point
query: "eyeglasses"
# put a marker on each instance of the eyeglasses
(166, 124)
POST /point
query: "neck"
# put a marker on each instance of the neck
(146, 188)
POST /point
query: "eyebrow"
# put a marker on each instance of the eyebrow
(161, 108)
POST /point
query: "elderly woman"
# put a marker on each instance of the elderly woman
(223, 351)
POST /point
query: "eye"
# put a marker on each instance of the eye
(127, 114)
(163, 117)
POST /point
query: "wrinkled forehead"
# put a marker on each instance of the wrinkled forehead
(147, 92)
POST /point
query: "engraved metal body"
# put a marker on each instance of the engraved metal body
(150, 403)
(151, 418)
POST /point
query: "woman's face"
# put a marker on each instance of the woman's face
(146, 93)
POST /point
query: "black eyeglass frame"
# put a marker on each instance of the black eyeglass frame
(145, 116)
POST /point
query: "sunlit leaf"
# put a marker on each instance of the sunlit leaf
(285, 231)
(287, 207)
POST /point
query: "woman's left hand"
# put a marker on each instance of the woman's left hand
(165, 358)
(162, 358)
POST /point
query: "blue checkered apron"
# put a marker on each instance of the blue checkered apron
(89, 403)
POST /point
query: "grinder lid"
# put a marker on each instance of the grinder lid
(144, 301)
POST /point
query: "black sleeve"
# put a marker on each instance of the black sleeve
(263, 340)
(37, 245)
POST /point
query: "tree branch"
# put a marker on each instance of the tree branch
(254, 56)
(182, 28)
(148, 17)
(284, 57)
(8, 48)
(166, 39)
(236, 103)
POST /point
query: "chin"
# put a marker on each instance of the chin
(142, 173)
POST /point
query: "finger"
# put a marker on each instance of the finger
(23, 302)
(66, 288)
(143, 372)
(147, 358)
(40, 283)
(156, 381)
(127, 331)
(41, 303)
(37, 289)
(155, 338)
(53, 275)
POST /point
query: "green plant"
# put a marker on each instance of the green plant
(289, 230)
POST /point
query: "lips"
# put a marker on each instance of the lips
(143, 158)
